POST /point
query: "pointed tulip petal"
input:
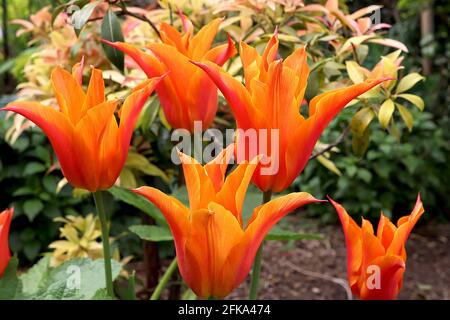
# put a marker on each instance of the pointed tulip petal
(96, 90)
(217, 167)
(235, 93)
(202, 41)
(56, 126)
(69, 94)
(220, 54)
(5, 223)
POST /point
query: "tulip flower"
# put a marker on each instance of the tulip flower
(186, 94)
(376, 262)
(89, 144)
(5, 255)
(215, 247)
(271, 99)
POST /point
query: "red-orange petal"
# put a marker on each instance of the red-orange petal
(5, 223)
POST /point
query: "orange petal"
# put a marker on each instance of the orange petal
(297, 61)
(233, 191)
(270, 53)
(149, 64)
(353, 241)
(5, 223)
(217, 167)
(202, 41)
(386, 230)
(250, 63)
(199, 185)
(391, 269)
(87, 140)
(96, 90)
(263, 218)
(130, 111)
(57, 127)
(404, 227)
(171, 36)
(220, 54)
(177, 216)
(77, 71)
(213, 234)
(69, 94)
(235, 93)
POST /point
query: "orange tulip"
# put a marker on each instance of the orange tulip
(376, 263)
(271, 99)
(186, 94)
(215, 247)
(91, 147)
(5, 255)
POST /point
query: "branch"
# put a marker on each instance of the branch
(339, 140)
(142, 18)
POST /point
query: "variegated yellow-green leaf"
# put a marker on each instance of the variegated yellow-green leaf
(354, 71)
(361, 120)
(327, 163)
(360, 143)
(408, 81)
(356, 41)
(406, 116)
(415, 100)
(385, 113)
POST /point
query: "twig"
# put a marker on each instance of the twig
(332, 145)
(339, 281)
(143, 18)
(355, 54)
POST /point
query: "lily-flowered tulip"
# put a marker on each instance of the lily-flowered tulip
(186, 94)
(215, 247)
(271, 99)
(91, 147)
(376, 262)
(5, 255)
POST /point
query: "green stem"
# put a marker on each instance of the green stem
(98, 198)
(256, 271)
(164, 280)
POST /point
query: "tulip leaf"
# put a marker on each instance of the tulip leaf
(408, 81)
(34, 277)
(285, 235)
(385, 113)
(76, 279)
(138, 202)
(152, 233)
(112, 31)
(9, 283)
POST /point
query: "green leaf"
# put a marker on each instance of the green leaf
(33, 167)
(152, 233)
(9, 283)
(139, 162)
(276, 233)
(76, 279)
(415, 100)
(406, 116)
(80, 17)
(112, 31)
(360, 143)
(139, 202)
(34, 278)
(408, 81)
(330, 165)
(32, 208)
(385, 113)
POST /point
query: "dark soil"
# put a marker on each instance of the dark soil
(316, 269)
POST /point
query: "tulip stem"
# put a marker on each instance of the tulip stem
(256, 271)
(98, 199)
(164, 280)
